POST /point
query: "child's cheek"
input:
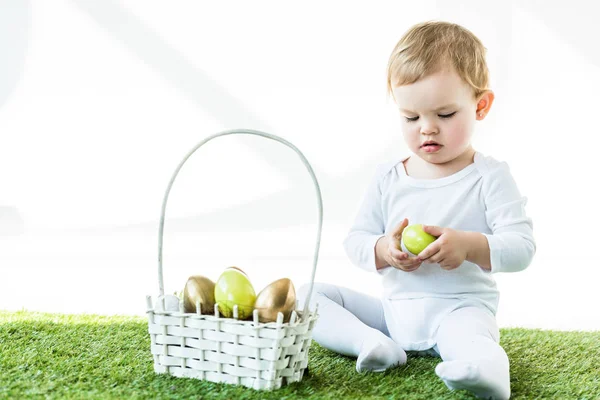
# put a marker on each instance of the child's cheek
(411, 136)
(458, 133)
(417, 138)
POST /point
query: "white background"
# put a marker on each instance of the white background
(99, 102)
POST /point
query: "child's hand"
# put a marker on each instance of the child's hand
(449, 250)
(395, 256)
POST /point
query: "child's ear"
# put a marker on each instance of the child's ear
(484, 103)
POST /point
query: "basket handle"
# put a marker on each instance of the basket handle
(250, 132)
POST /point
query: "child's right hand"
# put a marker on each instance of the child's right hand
(395, 256)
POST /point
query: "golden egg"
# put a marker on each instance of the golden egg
(278, 296)
(199, 288)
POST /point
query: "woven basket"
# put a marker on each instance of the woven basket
(258, 355)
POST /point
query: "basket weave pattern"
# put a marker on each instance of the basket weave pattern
(249, 353)
(218, 349)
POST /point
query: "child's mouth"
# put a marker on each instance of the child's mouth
(431, 147)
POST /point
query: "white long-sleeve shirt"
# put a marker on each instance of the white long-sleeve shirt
(482, 197)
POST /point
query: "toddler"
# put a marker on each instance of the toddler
(442, 301)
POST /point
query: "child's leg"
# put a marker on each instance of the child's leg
(352, 323)
(467, 341)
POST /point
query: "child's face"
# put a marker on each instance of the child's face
(439, 108)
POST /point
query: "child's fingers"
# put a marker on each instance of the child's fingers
(395, 244)
(401, 256)
(430, 251)
(405, 262)
(397, 254)
(397, 234)
(410, 261)
(411, 268)
(408, 266)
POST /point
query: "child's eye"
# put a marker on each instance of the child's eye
(409, 119)
(447, 115)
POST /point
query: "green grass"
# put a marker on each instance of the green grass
(87, 356)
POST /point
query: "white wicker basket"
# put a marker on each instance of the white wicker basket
(218, 349)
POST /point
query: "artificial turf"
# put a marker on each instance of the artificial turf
(89, 356)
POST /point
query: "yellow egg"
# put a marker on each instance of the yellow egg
(199, 288)
(278, 296)
(234, 288)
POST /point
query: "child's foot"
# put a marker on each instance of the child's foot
(467, 375)
(378, 354)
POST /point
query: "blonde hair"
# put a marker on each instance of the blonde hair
(428, 47)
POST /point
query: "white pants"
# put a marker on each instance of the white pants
(454, 329)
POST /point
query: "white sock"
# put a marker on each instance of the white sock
(378, 353)
(485, 381)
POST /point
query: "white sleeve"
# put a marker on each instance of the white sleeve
(512, 245)
(368, 226)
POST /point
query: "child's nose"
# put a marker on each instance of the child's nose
(429, 128)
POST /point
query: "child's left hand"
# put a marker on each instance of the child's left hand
(449, 250)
